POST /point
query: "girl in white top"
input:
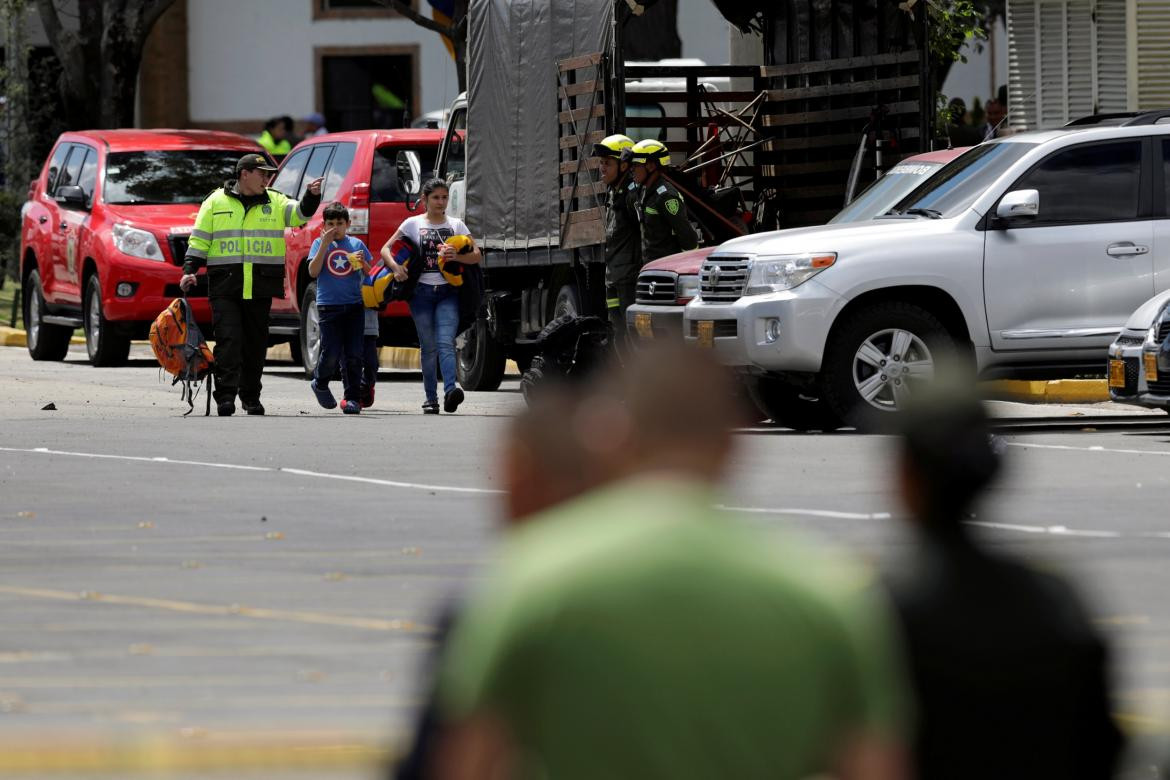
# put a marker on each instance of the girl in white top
(434, 306)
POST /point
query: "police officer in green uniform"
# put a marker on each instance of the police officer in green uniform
(661, 210)
(239, 238)
(623, 251)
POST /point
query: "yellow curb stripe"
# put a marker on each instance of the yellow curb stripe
(259, 613)
(1059, 391)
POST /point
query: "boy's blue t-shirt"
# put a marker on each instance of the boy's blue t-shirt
(338, 284)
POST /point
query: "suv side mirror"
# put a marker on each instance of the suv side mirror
(408, 166)
(72, 196)
(1018, 203)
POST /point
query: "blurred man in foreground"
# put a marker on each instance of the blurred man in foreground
(635, 632)
(1010, 674)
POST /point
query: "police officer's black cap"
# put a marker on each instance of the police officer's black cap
(254, 162)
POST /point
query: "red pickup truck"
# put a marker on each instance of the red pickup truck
(104, 231)
(365, 170)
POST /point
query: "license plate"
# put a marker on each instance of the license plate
(706, 330)
(1150, 361)
(642, 324)
(1117, 373)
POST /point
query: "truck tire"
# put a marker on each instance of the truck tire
(310, 336)
(45, 342)
(105, 343)
(788, 407)
(875, 360)
(480, 358)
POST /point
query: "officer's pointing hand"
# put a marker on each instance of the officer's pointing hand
(315, 186)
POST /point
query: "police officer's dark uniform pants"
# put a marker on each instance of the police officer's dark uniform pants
(241, 344)
(621, 286)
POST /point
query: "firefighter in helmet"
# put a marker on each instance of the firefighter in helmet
(661, 210)
(623, 255)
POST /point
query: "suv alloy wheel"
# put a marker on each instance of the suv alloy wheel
(878, 359)
(104, 343)
(45, 342)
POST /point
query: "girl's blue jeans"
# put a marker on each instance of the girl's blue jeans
(435, 310)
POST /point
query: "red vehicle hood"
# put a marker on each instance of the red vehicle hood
(688, 262)
(160, 218)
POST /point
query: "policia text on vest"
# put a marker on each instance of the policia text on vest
(239, 237)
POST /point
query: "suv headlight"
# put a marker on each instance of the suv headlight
(136, 243)
(688, 288)
(783, 272)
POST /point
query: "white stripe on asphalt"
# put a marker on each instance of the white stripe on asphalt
(1032, 446)
(275, 470)
(1053, 530)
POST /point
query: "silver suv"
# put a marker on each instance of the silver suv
(1028, 252)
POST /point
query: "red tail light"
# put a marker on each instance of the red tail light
(359, 197)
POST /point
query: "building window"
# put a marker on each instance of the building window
(354, 9)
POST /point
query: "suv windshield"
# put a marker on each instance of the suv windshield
(155, 177)
(953, 189)
(887, 190)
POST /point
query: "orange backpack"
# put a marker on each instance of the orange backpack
(181, 350)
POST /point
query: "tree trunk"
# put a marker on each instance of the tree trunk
(100, 60)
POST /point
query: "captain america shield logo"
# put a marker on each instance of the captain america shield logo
(337, 261)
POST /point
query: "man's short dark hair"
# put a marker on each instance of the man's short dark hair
(335, 210)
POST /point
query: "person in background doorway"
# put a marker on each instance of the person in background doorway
(1009, 672)
(314, 125)
(666, 229)
(997, 126)
(275, 137)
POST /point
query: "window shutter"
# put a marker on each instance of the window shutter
(1111, 56)
(1022, 30)
(1153, 54)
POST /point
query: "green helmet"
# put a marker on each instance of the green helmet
(612, 146)
(647, 150)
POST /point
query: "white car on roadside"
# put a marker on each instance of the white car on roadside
(1027, 253)
(1134, 375)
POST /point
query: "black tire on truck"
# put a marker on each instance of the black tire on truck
(45, 342)
(876, 360)
(310, 335)
(105, 343)
(789, 407)
(480, 359)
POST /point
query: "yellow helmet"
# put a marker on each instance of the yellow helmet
(647, 150)
(612, 146)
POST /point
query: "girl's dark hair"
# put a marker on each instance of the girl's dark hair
(335, 210)
(431, 185)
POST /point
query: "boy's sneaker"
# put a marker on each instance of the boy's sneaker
(452, 399)
(351, 407)
(324, 396)
(367, 396)
(430, 407)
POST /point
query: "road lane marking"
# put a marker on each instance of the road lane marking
(189, 607)
(272, 469)
(1094, 448)
(826, 513)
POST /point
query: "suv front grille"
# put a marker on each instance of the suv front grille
(723, 278)
(656, 288)
(1163, 331)
(1133, 367)
(178, 242)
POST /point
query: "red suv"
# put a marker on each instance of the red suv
(365, 170)
(105, 229)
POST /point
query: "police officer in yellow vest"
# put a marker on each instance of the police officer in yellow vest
(239, 236)
(661, 210)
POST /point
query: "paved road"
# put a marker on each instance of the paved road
(283, 580)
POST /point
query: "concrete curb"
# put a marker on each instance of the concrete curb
(1057, 391)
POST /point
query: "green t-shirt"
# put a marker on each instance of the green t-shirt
(637, 632)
